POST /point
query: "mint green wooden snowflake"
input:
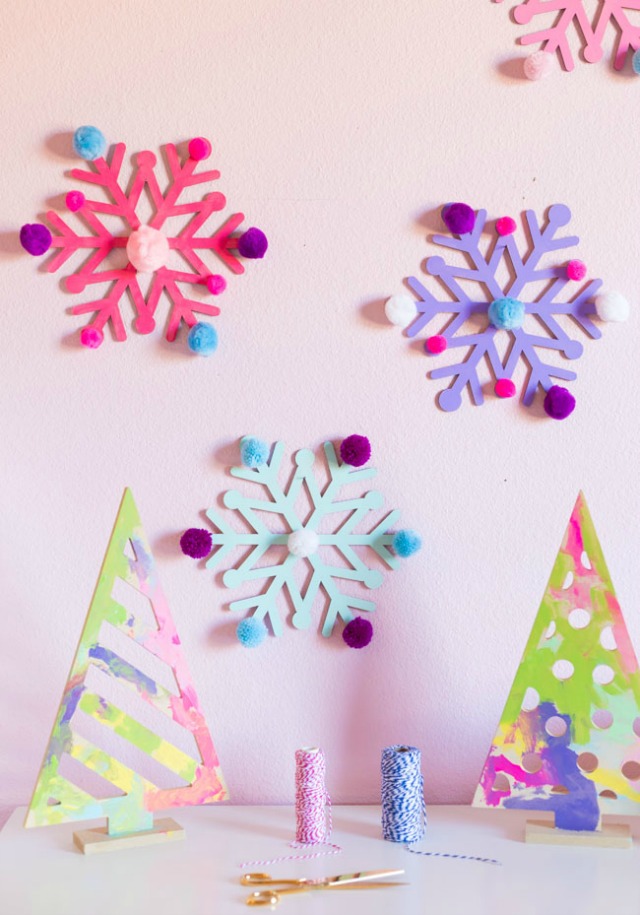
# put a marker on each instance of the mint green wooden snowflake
(303, 540)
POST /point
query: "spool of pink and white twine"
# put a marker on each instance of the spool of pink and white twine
(313, 809)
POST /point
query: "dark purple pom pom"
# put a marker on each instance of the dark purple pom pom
(355, 450)
(358, 633)
(196, 543)
(559, 403)
(35, 238)
(253, 243)
(459, 218)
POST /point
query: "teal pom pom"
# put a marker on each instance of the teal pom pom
(89, 143)
(406, 543)
(635, 62)
(506, 314)
(253, 451)
(202, 339)
(251, 632)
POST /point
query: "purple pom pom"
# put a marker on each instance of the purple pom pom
(35, 238)
(559, 402)
(459, 218)
(355, 450)
(196, 543)
(253, 243)
(358, 633)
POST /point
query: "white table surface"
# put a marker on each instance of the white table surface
(41, 873)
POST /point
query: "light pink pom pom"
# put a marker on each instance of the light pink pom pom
(576, 270)
(538, 65)
(147, 249)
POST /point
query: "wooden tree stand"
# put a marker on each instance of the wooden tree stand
(96, 841)
(543, 832)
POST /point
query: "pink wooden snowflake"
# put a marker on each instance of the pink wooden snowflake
(591, 30)
(150, 247)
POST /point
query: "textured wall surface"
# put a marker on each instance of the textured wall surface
(340, 129)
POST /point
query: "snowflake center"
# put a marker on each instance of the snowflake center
(303, 543)
(148, 249)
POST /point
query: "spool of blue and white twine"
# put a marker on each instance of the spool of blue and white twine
(404, 812)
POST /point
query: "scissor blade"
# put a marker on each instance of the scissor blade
(360, 877)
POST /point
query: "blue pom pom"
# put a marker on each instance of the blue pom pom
(89, 143)
(406, 543)
(251, 632)
(635, 62)
(253, 451)
(202, 339)
(506, 314)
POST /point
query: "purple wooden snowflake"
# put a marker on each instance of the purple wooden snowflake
(591, 30)
(485, 306)
(167, 247)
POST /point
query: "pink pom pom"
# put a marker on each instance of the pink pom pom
(505, 388)
(199, 148)
(576, 270)
(74, 201)
(505, 225)
(91, 337)
(436, 344)
(216, 284)
(538, 65)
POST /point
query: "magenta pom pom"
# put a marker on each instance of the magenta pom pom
(355, 450)
(505, 388)
(35, 238)
(459, 218)
(358, 632)
(74, 201)
(436, 344)
(199, 148)
(576, 270)
(505, 225)
(216, 284)
(196, 543)
(559, 402)
(253, 243)
(91, 337)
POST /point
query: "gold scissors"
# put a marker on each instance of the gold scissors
(305, 884)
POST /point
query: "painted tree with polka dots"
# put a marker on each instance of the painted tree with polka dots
(569, 737)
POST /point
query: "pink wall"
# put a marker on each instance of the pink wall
(339, 128)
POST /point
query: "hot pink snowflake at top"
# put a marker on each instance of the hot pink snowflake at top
(590, 30)
(171, 256)
(508, 304)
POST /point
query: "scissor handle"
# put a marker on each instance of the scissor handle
(272, 897)
(258, 879)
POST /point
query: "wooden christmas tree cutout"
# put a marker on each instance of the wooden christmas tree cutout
(569, 737)
(92, 732)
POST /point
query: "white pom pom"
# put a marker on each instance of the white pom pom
(302, 543)
(612, 306)
(538, 65)
(147, 249)
(400, 309)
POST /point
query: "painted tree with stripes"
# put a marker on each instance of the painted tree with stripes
(129, 737)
